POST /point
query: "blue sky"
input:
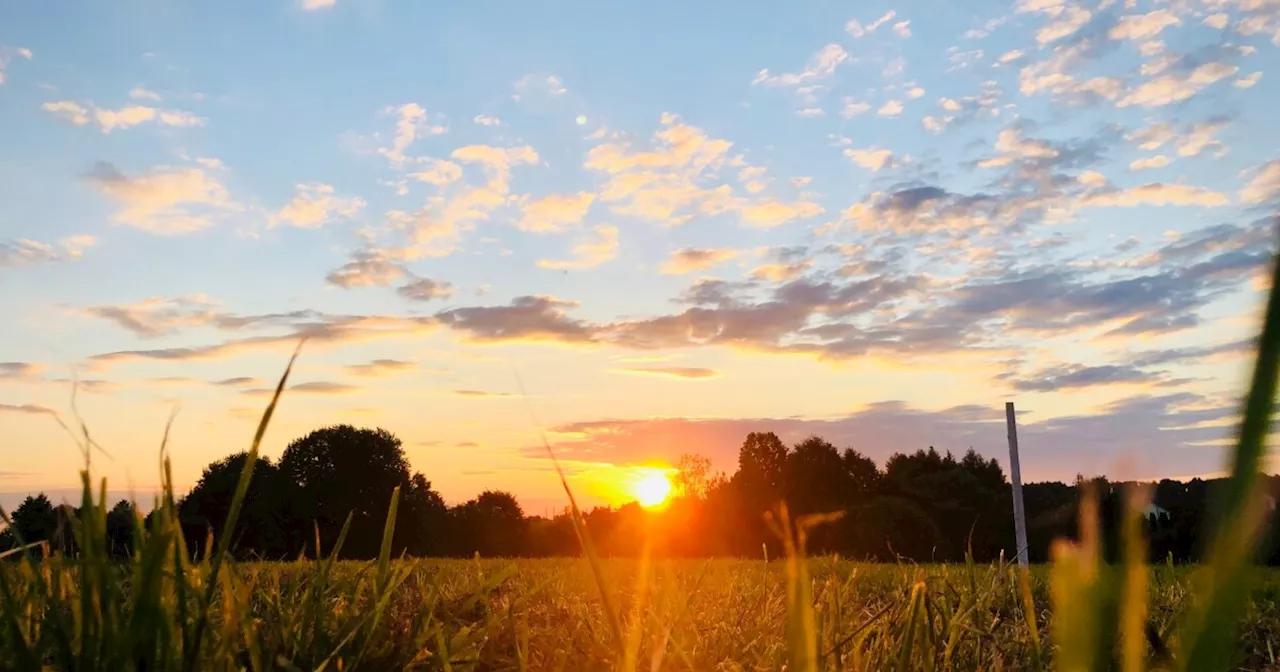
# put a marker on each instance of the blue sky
(674, 223)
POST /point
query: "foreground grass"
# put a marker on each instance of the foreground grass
(695, 615)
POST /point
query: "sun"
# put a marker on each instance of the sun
(651, 489)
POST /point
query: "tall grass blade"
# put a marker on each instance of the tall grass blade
(192, 653)
(1207, 636)
(584, 540)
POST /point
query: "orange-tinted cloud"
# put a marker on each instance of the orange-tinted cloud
(685, 372)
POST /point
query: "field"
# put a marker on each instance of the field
(678, 615)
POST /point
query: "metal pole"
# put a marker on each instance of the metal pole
(1019, 514)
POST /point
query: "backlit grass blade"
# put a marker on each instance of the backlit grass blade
(1207, 637)
(584, 539)
(192, 654)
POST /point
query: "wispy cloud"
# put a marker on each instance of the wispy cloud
(25, 252)
(165, 200)
(590, 252)
(314, 205)
(682, 372)
(27, 409)
(380, 367)
(109, 120)
(691, 259)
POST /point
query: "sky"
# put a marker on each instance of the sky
(641, 230)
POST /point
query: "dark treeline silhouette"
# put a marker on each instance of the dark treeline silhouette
(922, 506)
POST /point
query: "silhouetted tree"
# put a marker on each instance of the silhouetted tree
(266, 528)
(121, 520)
(339, 471)
(492, 525)
(35, 520)
(423, 524)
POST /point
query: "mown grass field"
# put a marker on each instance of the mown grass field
(676, 615)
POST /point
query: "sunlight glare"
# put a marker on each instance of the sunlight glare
(652, 489)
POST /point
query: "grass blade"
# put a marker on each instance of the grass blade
(233, 514)
(1208, 634)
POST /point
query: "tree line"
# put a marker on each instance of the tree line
(922, 506)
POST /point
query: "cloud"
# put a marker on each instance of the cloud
(891, 108)
(411, 125)
(811, 112)
(318, 388)
(320, 330)
(1145, 163)
(164, 200)
(425, 289)
(486, 120)
(1010, 56)
(240, 381)
(7, 55)
(1176, 87)
(316, 204)
(850, 108)
(159, 316)
(1218, 21)
(902, 29)
(820, 66)
(1073, 376)
(526, 318)
(856, 29)
(1247, 81)
(871, 159)
(691, 259)
(1155, 193)
(683, 372)
(312, 5)
(1012, 147)
(13, 370)
(1264, 186)
(480, 394)
(439, 172)
(379, 368)
(781, 271)
(27, 409)
(497, 162)
(547, 85)
(1141, 27)
(125, 117)
(589, 252)
(1200, 137)
(367, 268)
(678, 180)
(139, 93)
(26, 252)
(552, 213)
(1069, 20)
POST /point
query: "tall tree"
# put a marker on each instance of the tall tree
(423, 524)
(343, 470)
(816, 480)
(692, 477)
(492, 525)
(120, 525)
(265, 528)
(35, 519)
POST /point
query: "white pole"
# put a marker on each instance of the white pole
(1019, 514)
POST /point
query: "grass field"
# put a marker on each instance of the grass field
(678, 615)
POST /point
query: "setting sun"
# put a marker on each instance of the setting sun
(652, 489)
